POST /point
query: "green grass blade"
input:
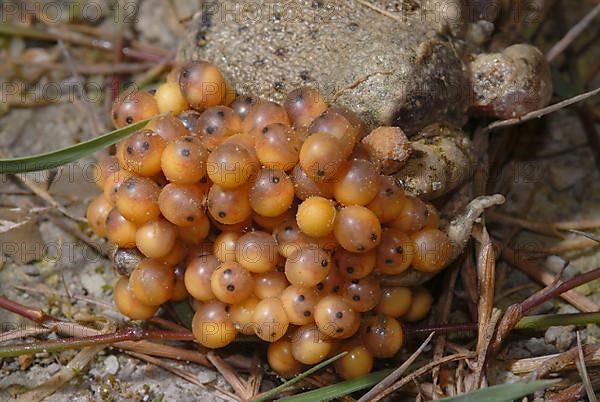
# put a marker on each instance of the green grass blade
(66, 155)
(502, 393)
(499, 393)
(277, 390)
(339, 389)
(555, 320)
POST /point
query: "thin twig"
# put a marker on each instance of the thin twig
(101, 248)
(590, 236)
(44, 195)
(168, 351)
(442, 316)
(573, 33)
(573, 393)
(525, 323)
(395, 375)
(485, 338)
(53, 35)
(72, 329)
(256, 376)
(7, 226)
(23, 333)
(126, 334)
(515, 289)
(380, 10)
(554, 288)
(578, 300)
(486, 267)
(48, 291)
(100, 33)
(543, 227)
(542, 112)
(421, 371)
(583, 373)
(229, 374)
(82, 100)
(564, 246)
(558, 362)
(468, 278)
(117, 53)
(541, 366)
(61, 268)
(37, 316)
(64, 375)
(137, 50)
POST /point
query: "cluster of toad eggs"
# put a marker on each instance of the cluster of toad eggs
(274, 220)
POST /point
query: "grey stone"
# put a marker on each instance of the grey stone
(93, 283)
(538, 347)
(562, 337)
(111, 364)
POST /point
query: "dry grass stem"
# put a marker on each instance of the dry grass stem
(230, 375)
(590, 236)
(554, 288)
(573, 34)
(256, 376)
(564, 246)
(577, 300)
(443, 313)
(64, 375)
(45, 290)
(378, 390)
(571, 394)
(484, 340)
(421, 371)
(100, 247)
(543, 227)
(536, 114)
(583, 373)
(541, 366)
(23, 333)
(45, 195)
(486, 270)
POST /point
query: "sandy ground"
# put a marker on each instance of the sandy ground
(47, 261)
(39, 261)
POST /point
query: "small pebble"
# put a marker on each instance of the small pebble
(561, 337)
(111, 365)
(93, 283)
(207, 376)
